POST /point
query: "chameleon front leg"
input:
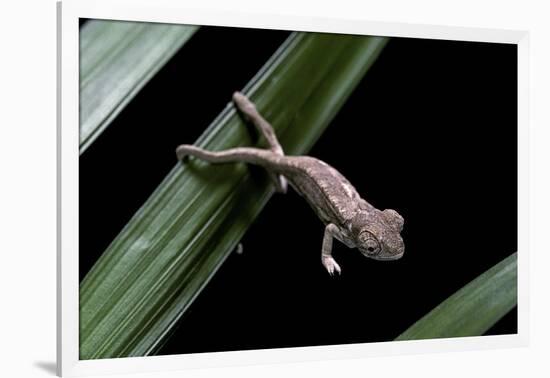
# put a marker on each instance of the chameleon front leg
(331, 231)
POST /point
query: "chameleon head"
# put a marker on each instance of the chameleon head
(377, 234)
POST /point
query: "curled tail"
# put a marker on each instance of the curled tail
(271, 159)
(257, 156)
(268, 159)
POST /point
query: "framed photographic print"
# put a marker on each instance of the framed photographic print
(243, 189)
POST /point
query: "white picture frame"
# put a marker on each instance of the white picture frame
(174, 11)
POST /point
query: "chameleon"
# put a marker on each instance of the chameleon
(347, 217)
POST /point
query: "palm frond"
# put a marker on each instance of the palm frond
(117, 58)
(151, 273)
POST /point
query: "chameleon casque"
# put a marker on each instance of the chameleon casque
(347, 217)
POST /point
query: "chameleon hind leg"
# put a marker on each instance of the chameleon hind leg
(248, 108)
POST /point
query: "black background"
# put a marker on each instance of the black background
(430, 131)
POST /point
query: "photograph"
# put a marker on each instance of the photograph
(246, 189)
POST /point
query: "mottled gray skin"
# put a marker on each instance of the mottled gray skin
(347, 217)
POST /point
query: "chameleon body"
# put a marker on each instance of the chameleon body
(347, 217)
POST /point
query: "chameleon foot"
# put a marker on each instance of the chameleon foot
(331, 265)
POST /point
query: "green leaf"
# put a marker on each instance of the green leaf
(117, 59)
(474, 309)
(167, 253)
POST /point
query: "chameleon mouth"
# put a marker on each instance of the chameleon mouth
(389, 258)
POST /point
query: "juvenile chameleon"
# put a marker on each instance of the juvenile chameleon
(347, 217)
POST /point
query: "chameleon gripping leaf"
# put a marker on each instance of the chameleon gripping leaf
(347, 217)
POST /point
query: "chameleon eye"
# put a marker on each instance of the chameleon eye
(369, 244)
(372, 246)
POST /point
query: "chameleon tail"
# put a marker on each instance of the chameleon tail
(257, 156)
(271, 158)
(250, 155)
